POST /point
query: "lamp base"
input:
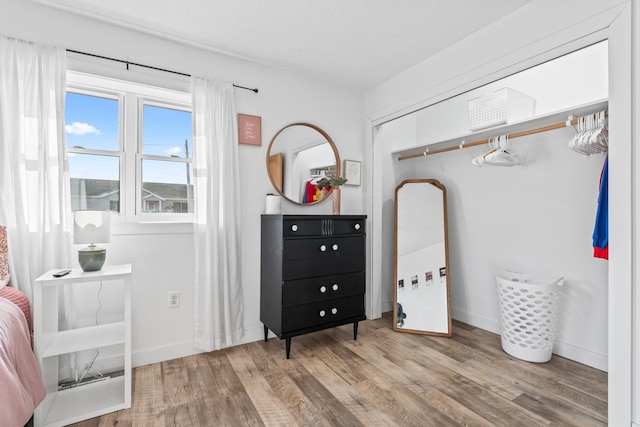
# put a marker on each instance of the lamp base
(92, 258)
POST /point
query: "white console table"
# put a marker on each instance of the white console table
(79, 403)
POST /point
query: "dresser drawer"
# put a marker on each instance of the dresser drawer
(314, 314)
(322, 288)
(322, 257)
(304, 227)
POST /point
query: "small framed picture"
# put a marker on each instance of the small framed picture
(352, 172)
(249, 129)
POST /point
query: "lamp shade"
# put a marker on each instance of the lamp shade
(91, 227)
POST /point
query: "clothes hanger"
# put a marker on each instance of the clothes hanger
(498, 155)
(502, 156)
(480, 160)
(601, 138)
(592, 135)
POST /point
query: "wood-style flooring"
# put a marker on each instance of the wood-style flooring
(384, 378)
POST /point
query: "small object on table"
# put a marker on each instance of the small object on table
(61, 273)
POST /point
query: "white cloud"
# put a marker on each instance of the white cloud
(174, 151)
(77, 128)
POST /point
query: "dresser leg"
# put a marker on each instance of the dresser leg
(355, 330)
(266, 332)
(288, 346)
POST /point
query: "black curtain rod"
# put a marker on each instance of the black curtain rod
(149, 66)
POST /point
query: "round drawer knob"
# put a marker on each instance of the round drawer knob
(323, 248)
(335, 287)
(323, 289)
(335, 246)
(322, 313)
(357, 226)
(294, 227)
(334, 311)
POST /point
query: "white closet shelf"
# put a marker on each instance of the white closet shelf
(510, 128)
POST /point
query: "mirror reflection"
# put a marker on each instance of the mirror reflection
(299, 156)
(422, 297)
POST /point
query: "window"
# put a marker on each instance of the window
(165, 161)
(129, 146)
(93, 140)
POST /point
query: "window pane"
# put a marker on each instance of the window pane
(166, 132)
(166, 187)
(91, 122)
(95, 182)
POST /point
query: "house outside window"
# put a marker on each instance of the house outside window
(129, 148)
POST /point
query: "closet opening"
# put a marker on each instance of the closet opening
(537, 216)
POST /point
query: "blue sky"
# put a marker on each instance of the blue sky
(92, 122)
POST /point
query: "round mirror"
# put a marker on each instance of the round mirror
(299, 156)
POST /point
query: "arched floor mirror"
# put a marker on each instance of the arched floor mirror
(422, 294)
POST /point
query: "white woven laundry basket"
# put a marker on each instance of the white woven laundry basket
(528, 312)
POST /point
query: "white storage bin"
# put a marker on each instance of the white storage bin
(528, 311)
(502, 106)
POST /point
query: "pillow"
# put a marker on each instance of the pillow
(4, 257)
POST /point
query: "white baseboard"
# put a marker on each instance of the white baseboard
(184, 349)
(482, 322)
(571, 352)
(581, 355)
(562, 349)
(164, 353)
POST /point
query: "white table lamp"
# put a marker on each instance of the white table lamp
(92, 227)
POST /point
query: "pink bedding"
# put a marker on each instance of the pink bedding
(21, 388)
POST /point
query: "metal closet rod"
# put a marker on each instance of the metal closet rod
(488, 140)
(149, 66)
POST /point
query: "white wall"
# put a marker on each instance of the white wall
(388, 175)
(162, 254)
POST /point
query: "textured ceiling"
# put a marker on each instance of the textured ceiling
(355, 43)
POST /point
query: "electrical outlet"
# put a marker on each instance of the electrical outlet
(174, 299)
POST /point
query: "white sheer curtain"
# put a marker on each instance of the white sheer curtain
(219, 314)
(34, 176)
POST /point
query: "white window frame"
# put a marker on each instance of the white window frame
(119, 152)
(132, 97)
(140, 155)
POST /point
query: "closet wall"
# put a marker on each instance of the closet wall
(537, 218)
